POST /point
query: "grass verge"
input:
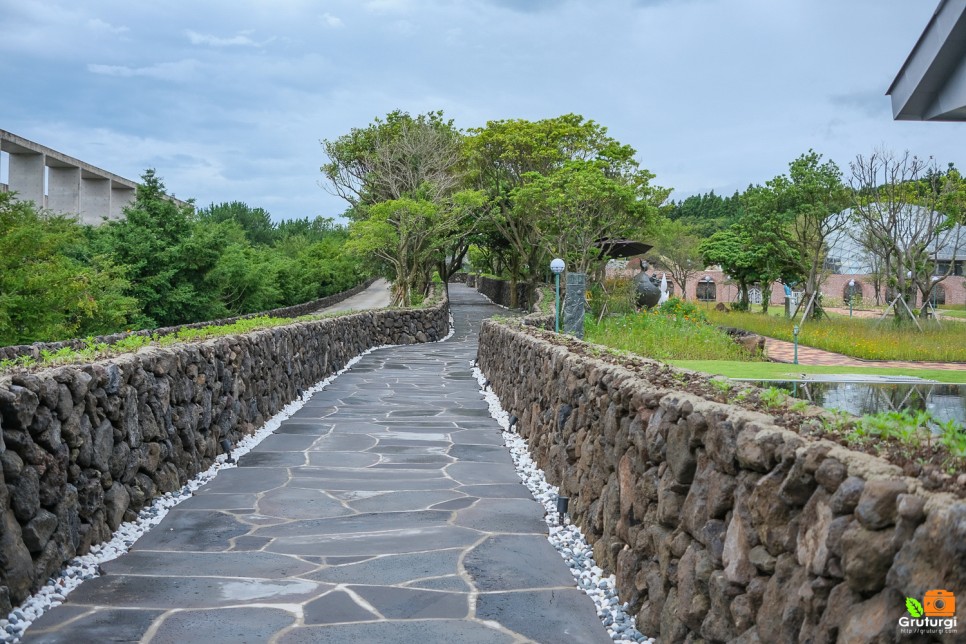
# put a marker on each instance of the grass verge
(132, 343)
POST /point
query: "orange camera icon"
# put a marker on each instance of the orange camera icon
(939, 603)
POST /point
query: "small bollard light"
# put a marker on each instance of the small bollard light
(557, 266)
(226, 448)
(562, 503)
(795, 333)
(851, 295)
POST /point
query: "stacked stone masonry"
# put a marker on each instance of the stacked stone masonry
(719, 525)
(499, 291)
(84, 448)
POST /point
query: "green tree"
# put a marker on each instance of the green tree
(409, 235)
(708, 213)
(676, 250)
(51, 286)
(312, 260)
(402, 177)
(748, 253)
(255, 222)
(505, 155)
(905, 209)
(243, 278)
(583, 202)
(394, 158)
(803, 209)
(166, 261)
(764, 223)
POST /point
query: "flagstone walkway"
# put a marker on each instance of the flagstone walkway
(782, 351)
(385, 510)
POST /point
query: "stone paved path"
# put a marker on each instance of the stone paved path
(374, 297)
(385, 510)
(781, 351)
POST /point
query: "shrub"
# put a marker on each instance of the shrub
(614, 296)
(679, 308)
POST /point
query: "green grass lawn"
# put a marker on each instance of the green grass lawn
(948, 313)
(778, 370)
(663, 337)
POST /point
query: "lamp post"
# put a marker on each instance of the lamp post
(557, 266)
(851, 295)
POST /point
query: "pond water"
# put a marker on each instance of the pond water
(859, 397)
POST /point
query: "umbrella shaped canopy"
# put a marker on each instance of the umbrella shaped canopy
(617, 248)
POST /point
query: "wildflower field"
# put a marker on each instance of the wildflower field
(670, 333)
(859, 337)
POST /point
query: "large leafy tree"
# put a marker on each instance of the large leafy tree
(765, 225)
(803, 210)
(906, 210)
(676, 250)
(403, 179)
(504, 156)
(52, 286)
(752, 250)
(393, 158)
(409, 235)
(582, 202)
(255, 222)
(166, 261)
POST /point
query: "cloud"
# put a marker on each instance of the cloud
(181, 70)
(332, 21)
(97, 24)
(869, 102)
(239, 40)
(527, 6)
(387, 6)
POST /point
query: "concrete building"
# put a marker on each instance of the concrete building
(931, 86)
(61, 183)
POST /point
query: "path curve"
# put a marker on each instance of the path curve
(374, 297)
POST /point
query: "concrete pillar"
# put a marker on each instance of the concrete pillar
(121, 196)
(95, 199)
(63, 189)
(27, 177)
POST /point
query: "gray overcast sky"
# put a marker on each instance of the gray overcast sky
(228, 100)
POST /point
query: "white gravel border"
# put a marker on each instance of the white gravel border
(80, 569)
(568, 540)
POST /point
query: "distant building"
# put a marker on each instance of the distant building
(849, 269)
(63, 184)
(931, 86)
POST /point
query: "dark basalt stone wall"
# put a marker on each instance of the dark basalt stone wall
(499, 291)
(85, 447)
(719, 525)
